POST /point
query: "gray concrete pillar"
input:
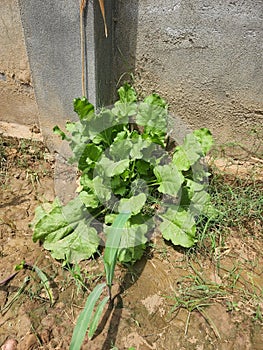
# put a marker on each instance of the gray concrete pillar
(52, 36)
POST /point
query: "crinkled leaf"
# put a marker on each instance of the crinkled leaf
(180, 159)
(178, 226)
(120, 149)
(200, 201)
(169, 179)
(109, 168)
(127, 93)
(78, 140)
(96, 186)
(154, 135)
(126, 105)
(194, 147)
(101, 189)
(205, 139)
(124, 110)
(139, 144)
(133, 204)
(66, 231)
(79, 245)
(131, 255)
(109, 218)
(89, 199)
(188, 153)
(155, 99)
(152, 116)
(143, 167)
(118, 185)
(132, 238)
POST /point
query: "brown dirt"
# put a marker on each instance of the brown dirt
(220, 292)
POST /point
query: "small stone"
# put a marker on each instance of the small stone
(10, 344)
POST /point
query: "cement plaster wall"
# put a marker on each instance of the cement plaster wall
(53, 41)
(17, 100)
(204, 57)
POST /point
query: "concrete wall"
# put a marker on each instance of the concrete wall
(17, 101)
(204, 57)
(53, 41)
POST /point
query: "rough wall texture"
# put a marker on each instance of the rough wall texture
(204, 57)
(17, 102)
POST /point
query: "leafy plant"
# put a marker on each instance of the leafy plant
(126, 173)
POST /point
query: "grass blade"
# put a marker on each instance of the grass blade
(45, 283)
(95, 320)
(85, 318)
(16, 296)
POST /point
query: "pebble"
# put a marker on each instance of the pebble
(10, 344)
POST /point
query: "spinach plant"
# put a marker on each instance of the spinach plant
(131, 181)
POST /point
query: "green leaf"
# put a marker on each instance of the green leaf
(195, 146)
(120, 149)
(118, 185)
(179, 227)
(84, 318)
(138, 145)
(169, 179)
(78, 140)
(90, 154)
(66, 231)
(107, 167)
(112, 245)
(152, 116)
(43, 278)
(59, 132)
(180, 159)
(133, 204)
(188, 153)
(131, 255)
(101, 189)
(89, 199)
(205, 139)
(127, 93)
(109, 218)
(132, 243)
(155, 99)
(143, 167)
(95, 320)
(98, 188)
(79, 245)
(124, 110)
(104, 128)
(83, 108)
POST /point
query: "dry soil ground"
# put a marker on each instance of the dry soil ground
(206, 298)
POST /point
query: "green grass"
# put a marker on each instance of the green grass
(238, 203)
(237, 213)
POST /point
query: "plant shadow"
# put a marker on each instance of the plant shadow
(114, 310)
